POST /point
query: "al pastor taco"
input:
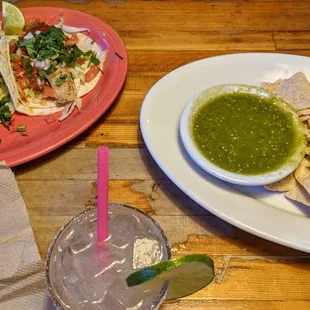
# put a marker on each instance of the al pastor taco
(48, 69)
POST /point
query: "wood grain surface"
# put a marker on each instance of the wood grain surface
(251, 273)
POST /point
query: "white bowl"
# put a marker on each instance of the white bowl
(262, 179)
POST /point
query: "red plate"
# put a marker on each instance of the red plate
(44, 136)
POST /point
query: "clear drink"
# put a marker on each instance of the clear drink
(81, 277)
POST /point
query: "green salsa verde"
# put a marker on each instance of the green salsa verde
(245, 133)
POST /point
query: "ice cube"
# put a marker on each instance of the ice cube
(110, 302)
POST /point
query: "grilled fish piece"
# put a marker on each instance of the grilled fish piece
(63, 86)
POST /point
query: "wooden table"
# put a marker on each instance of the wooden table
(251, 273)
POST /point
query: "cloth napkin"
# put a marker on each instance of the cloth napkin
(22, 273)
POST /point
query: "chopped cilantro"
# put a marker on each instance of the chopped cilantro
(27, 66)
(42, 74)
(94, 60)
(5, 113)
(4, 100)
(61, 80)
(30, 45)
(70, 56)
(50, 70)
(44, 45)
(52, 45)
(91, 55)
(21, 128)
(88, 54)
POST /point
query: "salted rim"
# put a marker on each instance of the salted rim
(260, 179)
(163, 291)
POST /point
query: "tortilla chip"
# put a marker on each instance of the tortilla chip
(308, 149)
(293, 189)
(294, 90)
(302, 174)
(283, 185)
(307, 130)
(272, 87)
(303, 112)
(299, 194)
(303, 118)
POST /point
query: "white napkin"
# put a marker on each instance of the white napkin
(22, 273)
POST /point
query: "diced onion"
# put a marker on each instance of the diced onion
(40, 83)
(69, 108)
(70, 29)
(28, 36)
(40, 64)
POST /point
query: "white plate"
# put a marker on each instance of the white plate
(266, 214)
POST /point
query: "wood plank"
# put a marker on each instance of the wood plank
(140, 83)
(260, 280)
(124, 164)
(257, 280)
(113, 135)
(160, 197)
(200, 39)
(192, 15)
(165, 61)
(228, 240)
(126, 109)
(237, 305)
(292, 40)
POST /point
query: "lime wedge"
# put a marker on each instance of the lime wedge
(185, 275)
(13, 19)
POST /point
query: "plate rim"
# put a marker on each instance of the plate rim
(236, 223)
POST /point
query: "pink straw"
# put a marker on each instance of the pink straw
(102, 193)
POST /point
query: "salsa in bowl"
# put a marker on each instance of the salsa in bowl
(243, 134)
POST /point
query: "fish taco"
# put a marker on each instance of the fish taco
(49, 68)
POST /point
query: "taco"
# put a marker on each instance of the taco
(48, 69)
(6, 104)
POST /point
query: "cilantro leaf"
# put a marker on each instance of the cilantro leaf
(61, 80)
(42, 74)
(21, 128)
(30, 45)
(94, 60)
(5, 115)
(27, 66)
(4, 100)
(50, 70)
